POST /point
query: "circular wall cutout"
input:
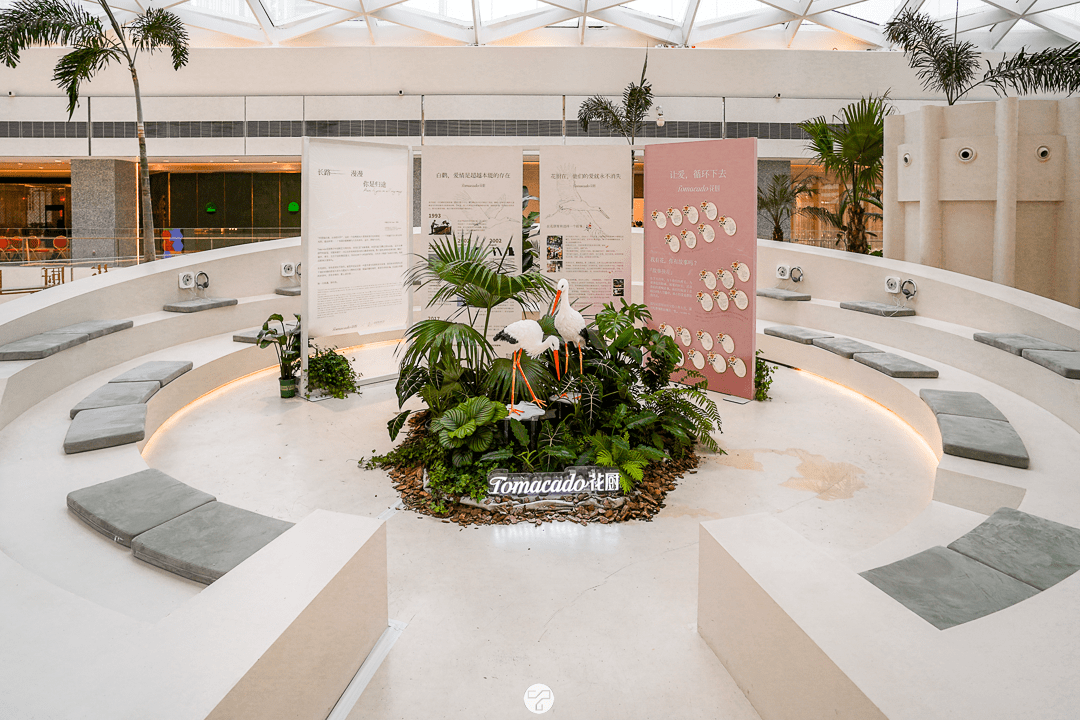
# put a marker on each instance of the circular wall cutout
(907, 159)
(965, 154)
(1043, 153)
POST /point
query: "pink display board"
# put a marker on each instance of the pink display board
(701, 255)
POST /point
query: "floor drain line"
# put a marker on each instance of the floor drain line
(351, 696)
(391, 511)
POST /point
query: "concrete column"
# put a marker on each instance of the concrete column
(930, 128)
(893, 227)
(104, 208)
(1006, 127)
(1067, 254)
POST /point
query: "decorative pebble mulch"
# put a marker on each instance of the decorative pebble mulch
(642, 503)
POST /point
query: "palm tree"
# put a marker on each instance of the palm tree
(62, 22)
(626, 119)
(778, 198)
(945, 65)
(851, 148)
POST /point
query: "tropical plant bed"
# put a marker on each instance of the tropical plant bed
(643, 502)
(617, 405)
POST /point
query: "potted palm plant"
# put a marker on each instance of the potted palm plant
(778, 198)
(286, 342)
(850, 146)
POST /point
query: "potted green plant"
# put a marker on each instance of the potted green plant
(286, 342)
(330, 372)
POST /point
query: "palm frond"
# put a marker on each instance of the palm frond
(602, 110)
(81, 65)
(156, 29)
(429, 338)
(28, 23)
(1054, 70)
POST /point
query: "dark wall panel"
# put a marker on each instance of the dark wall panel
(211, 191)
(265, 200)
(183, 200)
(290, 192)
(237, 210)
(159, 199)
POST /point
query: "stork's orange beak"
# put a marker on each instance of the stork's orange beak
(555, 305)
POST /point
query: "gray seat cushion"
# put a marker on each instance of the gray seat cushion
(977, 438)
(37, 347)
(895, 365)
(1063, 362)
(198, 304)
(207, 542)
(1032, 549)
(105, 427)
(795, 333)
(844, 347)
(129, 506)
(781, 294)
(950, 402)
(288, 290)
(161, 371)
(114, 394)
(946, 588)
(93, 328)
(1016, 343)
(876, 308)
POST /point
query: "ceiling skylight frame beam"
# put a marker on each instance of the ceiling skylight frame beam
(194, 18)
(743, 22)
(649, 25)
(436, 26)
(863, 30)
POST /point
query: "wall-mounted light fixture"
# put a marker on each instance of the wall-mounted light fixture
(659, 116)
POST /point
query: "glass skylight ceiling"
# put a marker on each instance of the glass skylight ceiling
(766, 23)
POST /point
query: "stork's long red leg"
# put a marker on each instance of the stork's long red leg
(580, 358)
(555, 354)
(567, 354)
(538, 401)
(513, 380)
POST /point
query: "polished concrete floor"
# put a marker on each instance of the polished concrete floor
(604, 615)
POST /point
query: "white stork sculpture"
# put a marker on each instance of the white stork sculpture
(530, 336)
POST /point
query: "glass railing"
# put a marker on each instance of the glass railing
(35, 259)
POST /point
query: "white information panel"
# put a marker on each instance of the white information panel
(586, 207)
(473, 191)
(356, 232)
